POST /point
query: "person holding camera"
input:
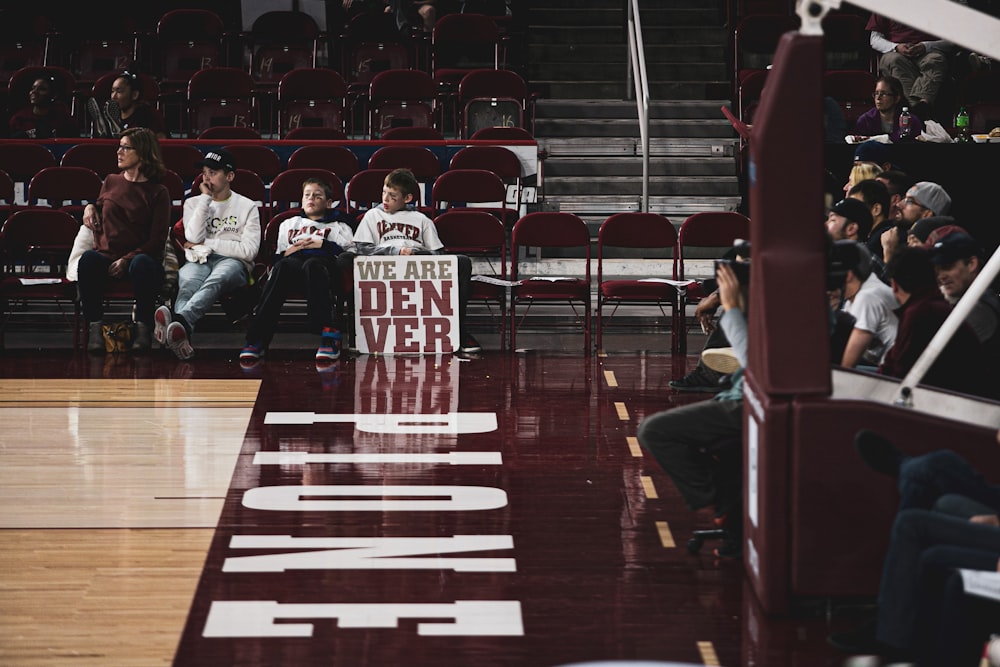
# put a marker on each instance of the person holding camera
(700, 445)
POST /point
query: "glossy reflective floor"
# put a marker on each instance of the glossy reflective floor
(491, 510)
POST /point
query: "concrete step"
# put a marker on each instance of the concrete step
(616, 68)
(599, 167)
(610, 127)
(676, 208)
(542, 53)
(617, 89)
(713, 186)
(555, 147)
(662, 14)
(613, 32)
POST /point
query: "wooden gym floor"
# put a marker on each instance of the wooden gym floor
(157, 512)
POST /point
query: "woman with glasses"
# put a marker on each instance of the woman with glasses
(883, 118)
(129, 222)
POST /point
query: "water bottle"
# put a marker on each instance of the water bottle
(904, 124)
(962, 126)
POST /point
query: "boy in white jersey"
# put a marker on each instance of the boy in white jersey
(307, 260)
(395, 229)
(221, 240)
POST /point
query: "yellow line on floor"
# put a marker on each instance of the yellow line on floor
(708, 655)
(666, 537)
(648, 487)
(609, 377)
(622, 411)
(633, 446)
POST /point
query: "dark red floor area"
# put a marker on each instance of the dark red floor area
(544, 548)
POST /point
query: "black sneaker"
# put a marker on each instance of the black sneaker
(113, 117)
(100, 125)
(469, 345)
(701, 379)
(880, 454)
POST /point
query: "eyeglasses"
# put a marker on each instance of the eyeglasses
(123, 147)
(881, 93)
(911, 200)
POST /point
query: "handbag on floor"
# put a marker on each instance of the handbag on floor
(117, 336)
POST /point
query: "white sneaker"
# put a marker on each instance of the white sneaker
(177, 341)
(161, 320)
(721, 359)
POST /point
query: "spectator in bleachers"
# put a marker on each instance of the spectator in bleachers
(861, 171)
(420, 14)
(875, 196)
(873, 306)
(922, 310)
(917, 59)
(958, 260)
(883, 118)
(221, 240)
(130, 222)
(44, 116)
(850, 220)
(307, 259)
(125, 109)
(897, 183)
(923, 200)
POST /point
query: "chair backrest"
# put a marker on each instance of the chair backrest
(650, 231)
(366, 60)
(220, 96)
(467, 187)
(181, 158)
(281, 41)
(175, 186)
(852, 89)
(269, 235)
(32, 236)
(499, 160)
(311, 97)
(187, 40)
(22, 160)
(475, 233)
(229, 132)
(364, 190)
(286, 188)
(69, 188)
(461, 43)
(311, 133)
(99, 57)
(492, 83)
(100, 157)
(502, 134)
(422, 161)
(545, 229)
(338, 159)
(7, 203)
(710, 229)
(257, 158)
(412, 134)
(491, 98)
(749, 92)
(401, 97)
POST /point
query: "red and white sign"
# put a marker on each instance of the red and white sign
(406, 304)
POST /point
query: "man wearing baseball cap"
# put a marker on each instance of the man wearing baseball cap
(220, 240)
(923, 200)
(849, 220)
(958, 259)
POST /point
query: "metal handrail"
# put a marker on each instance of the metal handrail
(638, 82)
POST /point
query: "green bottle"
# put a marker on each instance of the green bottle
(962, 126)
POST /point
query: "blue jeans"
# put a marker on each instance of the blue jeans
(924, 479)
(144, 271)
(915, 534)
(201, 285)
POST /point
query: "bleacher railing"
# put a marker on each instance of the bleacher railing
(637, 85)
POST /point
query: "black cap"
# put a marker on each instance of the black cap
(953, 247)
(218, 158)
(855, 211)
